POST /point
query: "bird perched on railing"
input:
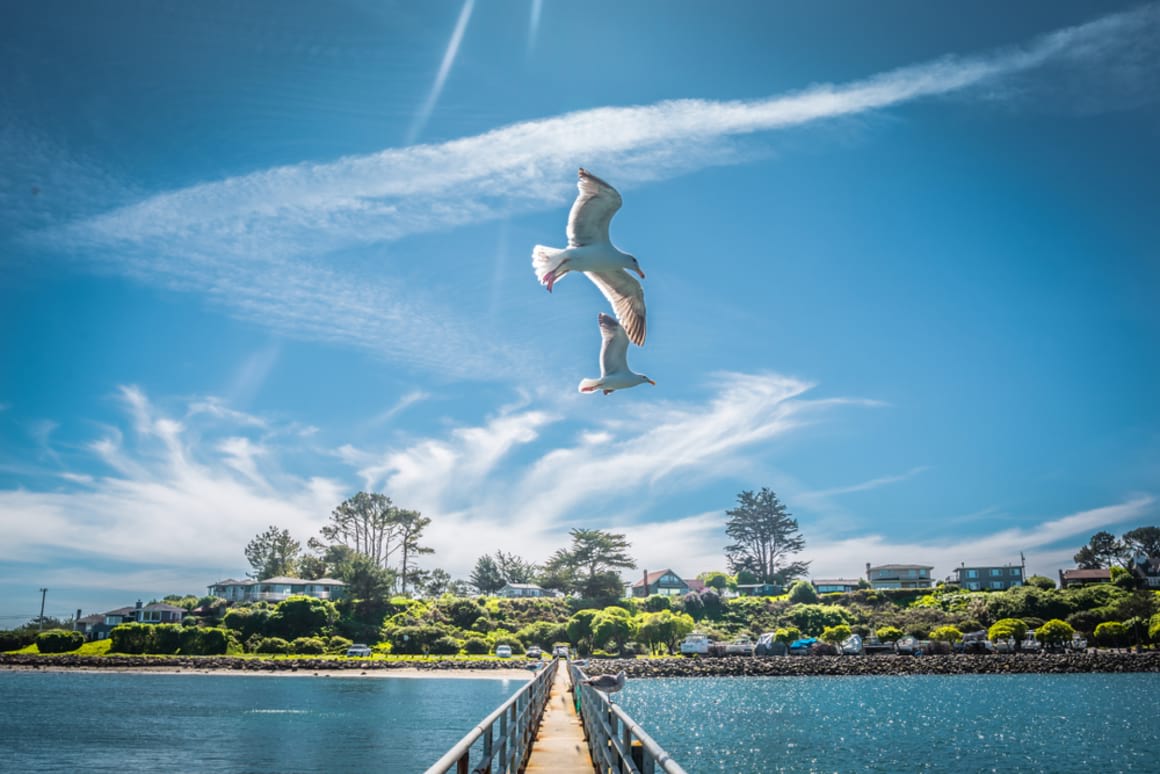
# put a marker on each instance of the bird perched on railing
(607, 684)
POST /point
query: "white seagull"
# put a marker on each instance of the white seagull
(590, 251)
(607, 684)
(614, 371)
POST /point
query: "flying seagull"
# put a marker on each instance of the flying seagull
(614, 371)
(606, 684)
(590, 251)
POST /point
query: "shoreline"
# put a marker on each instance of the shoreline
(225, 665)
(728, 666)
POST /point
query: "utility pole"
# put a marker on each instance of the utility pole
(40, 621)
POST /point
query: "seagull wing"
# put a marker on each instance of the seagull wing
(614, 347)
(627, 299)
(592, 211)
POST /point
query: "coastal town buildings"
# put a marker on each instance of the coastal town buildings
(98, 626)
(835, 585)
(899, 576)
(276, 589)
(1080, 577)
(523, 591)
(664, 582)
(989, 577)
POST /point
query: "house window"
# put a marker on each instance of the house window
(996, 572)
(972, 573)
(996, 584)
(1015, 571)
(973, 586)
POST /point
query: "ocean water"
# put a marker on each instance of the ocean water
(962, 723)
(184, 722)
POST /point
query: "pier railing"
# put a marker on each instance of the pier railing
(617, 743)
(507, 733)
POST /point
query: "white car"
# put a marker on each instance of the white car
(503, 651)
(358, 649)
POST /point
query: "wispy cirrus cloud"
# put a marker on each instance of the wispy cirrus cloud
(168, 499)
(259, 244)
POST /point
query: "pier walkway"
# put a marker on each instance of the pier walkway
(560, 746)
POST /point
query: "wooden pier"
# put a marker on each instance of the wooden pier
(560, 746)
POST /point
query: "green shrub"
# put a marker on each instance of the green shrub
(1054, 633)
(1111, 634)
(130, 638)
(308, 646)
(272, 645)
(476, 646)
(16, 639)
(209, 641)
(59, 641)
(338, 644)
(835, 634)
(813, 619)
(164, 638)
(802, 592)
(1007, 628)
(889, 633)
(445, 646)
(946, 634)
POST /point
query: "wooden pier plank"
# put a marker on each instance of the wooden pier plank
(560, 747)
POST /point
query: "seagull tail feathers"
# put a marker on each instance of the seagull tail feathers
(589, 385)
(545, 261)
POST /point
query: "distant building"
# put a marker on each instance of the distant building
(1147, 571)
(664, 582)
(759, 589)
(1070, 578)
(522, 591)
(276, 589)
(97, 627)
(832, 585)
(899, 576)
(994, 578)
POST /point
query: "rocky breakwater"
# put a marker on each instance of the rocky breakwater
(231, 663)
(957, 664)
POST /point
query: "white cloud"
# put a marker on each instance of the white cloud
(255, 243)
(445, 66)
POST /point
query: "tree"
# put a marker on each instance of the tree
(949, 634)
(1100, 552)
(514, 569)
(715, 579)
(889, 633)
(802, 592)
(273, 553)
(365, 580)
(1007, 628)
(835, 635)
(590, 565)
(486, 576)
(1054, 633)
(302, 616)
(663, 628)
(612, 624)
(765, 537)
(410, 525)
(1041, 582)
(1142, 540)
(438, 583)
(366, 523)
(1111, 634)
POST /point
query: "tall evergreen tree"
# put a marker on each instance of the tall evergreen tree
(1100, 552)
(410, 528)
(273, 553)
(590, 565)
(486, 577)
(1142, 540)
(765, 536)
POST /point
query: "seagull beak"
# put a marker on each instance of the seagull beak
(641, 273)
(650, 381)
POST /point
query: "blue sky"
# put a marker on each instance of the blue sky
(902, 268)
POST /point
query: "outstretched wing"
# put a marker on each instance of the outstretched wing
(592, 211)
(627, 299)
(613, 347)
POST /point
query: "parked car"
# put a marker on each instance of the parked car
(801, 647)
(560, 651)
(912, 646)
(742, 646)
(768, 645)
(975, 642)
(872, 646)
(696, 644)
(851, 646)
(358, 650)
(534, 652)
(503, 651)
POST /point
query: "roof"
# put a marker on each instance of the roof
(694, 584)
(653, 577)
(902, 567)
(523, 586)
(836, 581)
(986, 567)
(302, 581)
(164, 606)
(232, 582)
(1086, 574)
